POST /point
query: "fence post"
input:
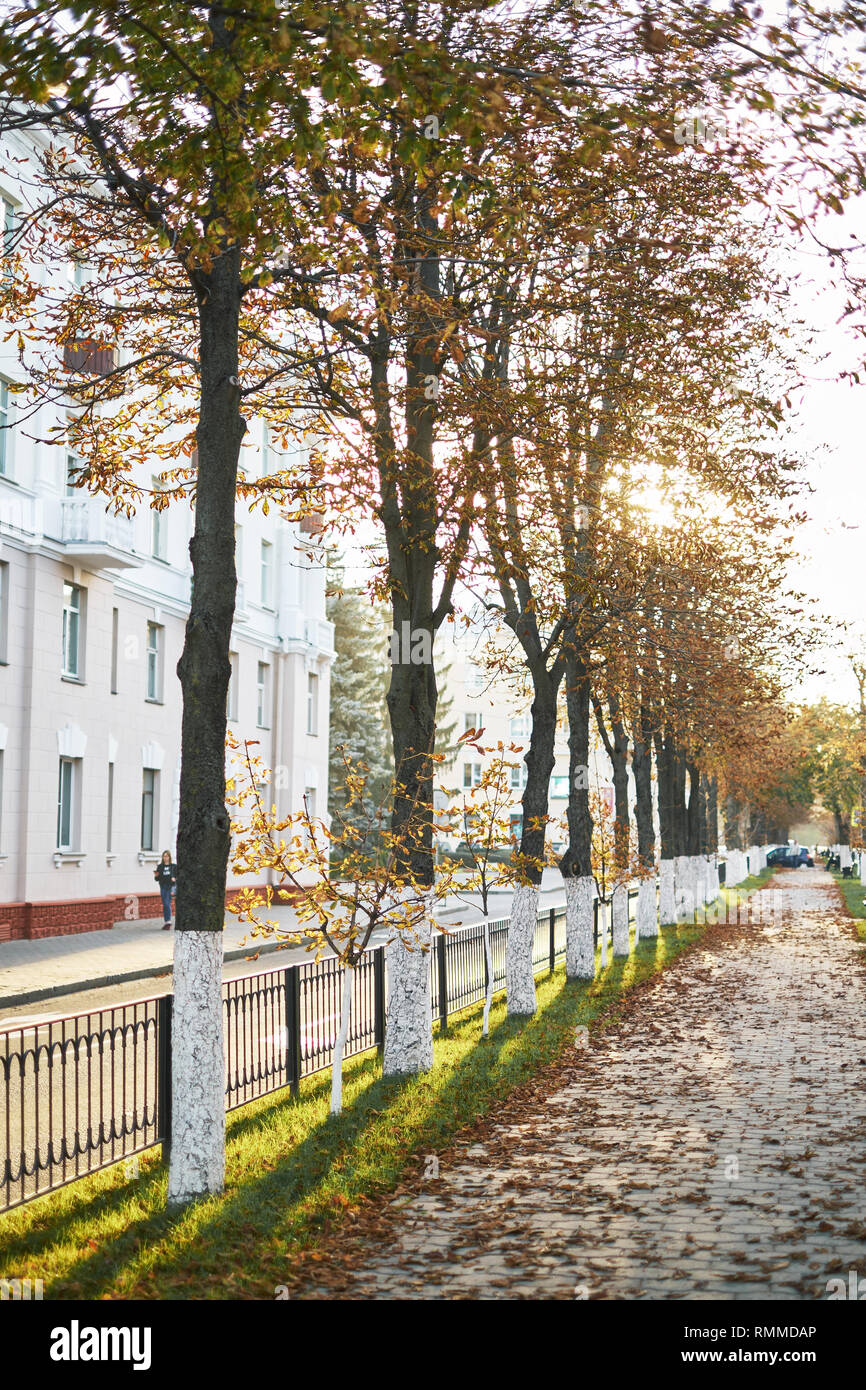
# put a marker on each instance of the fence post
(292, 977)
(552, 939)
(379, 997)
(595, 921)
(443, 984)
(163, 1081)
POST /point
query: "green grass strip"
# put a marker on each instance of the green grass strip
(291, 1169)
(854, 894)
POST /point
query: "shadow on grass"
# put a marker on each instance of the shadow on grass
(241, 1244)
(304, 1189)
(124, 1200)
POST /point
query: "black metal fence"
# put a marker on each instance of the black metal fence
(80, 1093)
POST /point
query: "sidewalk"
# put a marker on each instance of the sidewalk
(31, 971)
(709, 1145)
(34, 970)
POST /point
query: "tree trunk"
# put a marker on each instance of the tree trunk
(412, 697)
(576, 863)
(616, 747)
(540, 761)
(197, 1164)
(713, 836)
(409, 514)
(409, 1010)
(646, 919)
(732, 823)
(667, 890)
(697, 835)
(682, 866)
(619, 911)
(580, 916)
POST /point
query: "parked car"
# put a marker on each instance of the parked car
(797, 858)
(777, 856)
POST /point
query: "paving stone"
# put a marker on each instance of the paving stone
(705, 1148)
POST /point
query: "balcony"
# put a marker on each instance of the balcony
(96, 538)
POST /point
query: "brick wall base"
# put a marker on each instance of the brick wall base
(67, 916)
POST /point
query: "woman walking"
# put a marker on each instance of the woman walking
(166, 877)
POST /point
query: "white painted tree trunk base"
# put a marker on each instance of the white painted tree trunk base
(709, 895)
(698, 869)
(619, 908)
(863, 868)
(579, 945)
(667, 893)
(684, 887)
(714, 886)
(198, 1115)
(340, 1042)
(647, 919)
(519, 978)
(409, 1012)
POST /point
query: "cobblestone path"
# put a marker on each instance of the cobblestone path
(710, 1145)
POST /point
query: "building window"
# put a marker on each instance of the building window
(266, 449)
(521, 727)
(71, 630)
(474, 679)
(73, 463)
(232, 696)
(471, 721)
(148, 807)
(154, 662)
(158, 528)
(312, 703)
(267, 574)
(4, 609)
(115, 627)
(515, 826)
(471, 774)
(262, 682)
(65, 805)
(7, 213)
(110, 818)
(559, 787)
(4, 424)
(310, 804)
(518, 777)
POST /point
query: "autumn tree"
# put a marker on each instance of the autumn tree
(417, 320)
(174, 142)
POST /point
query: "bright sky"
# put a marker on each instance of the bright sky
(833, 435)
